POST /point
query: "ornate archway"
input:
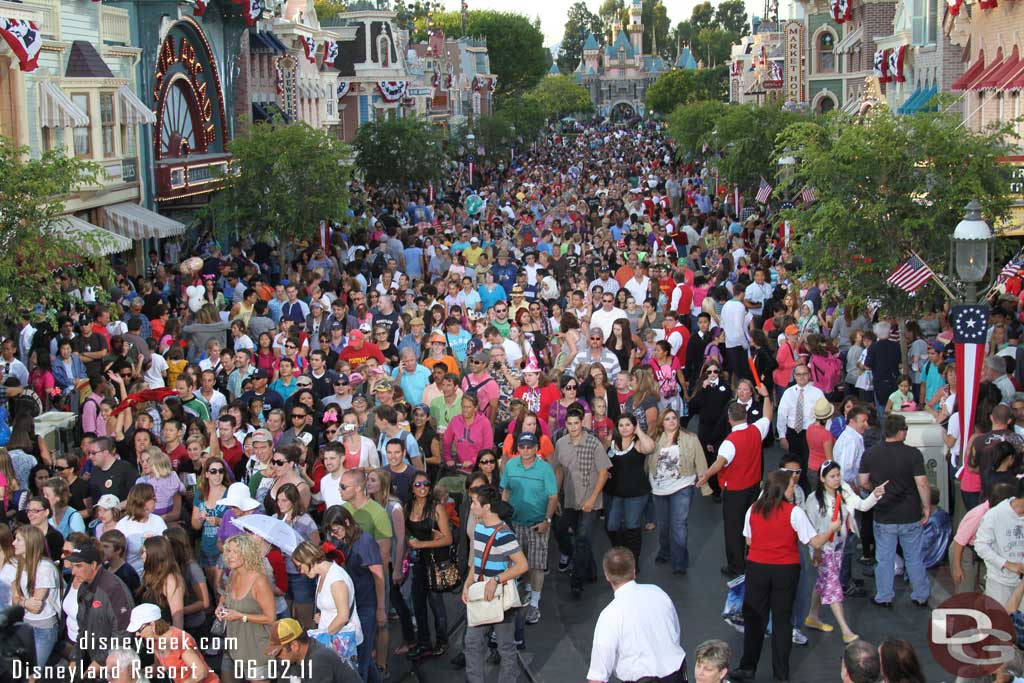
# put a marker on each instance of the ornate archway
(622, 111)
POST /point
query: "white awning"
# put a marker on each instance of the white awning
(133, 110)
(56, 110)
(137, 222)
(93, 239)
(852, 105)
(850, 41)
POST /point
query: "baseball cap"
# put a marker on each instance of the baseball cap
(437, 338)
(516, 289)
(304, 381)
(938, 347)
(283, 631)
(315, 303)
(84, 552)
(355, 337)
(342, 379)
(108, 501)
(143, 614)
(260, 373)
(337, 326)
(384, 385)
(263, 435)
(526, 439)
(481, 357)
(792, 329)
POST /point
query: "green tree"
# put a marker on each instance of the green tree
(290, 177)
(525, 116)
(611, 11)
(888, 186)
(746, 138)
(691, 125)
(35, 243)
(515, 46)
(400, 151)
(656, 28)
(713, 46)
(328, 10)
(702, 16)
(579, 23)
(680, 86)
(731, 16)
(558, 96)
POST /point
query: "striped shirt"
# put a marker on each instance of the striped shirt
(505, 545)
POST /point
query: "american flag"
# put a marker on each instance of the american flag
(911, 274)
(970, 329)
(808, 195)
(1012, 268)
(764, 191)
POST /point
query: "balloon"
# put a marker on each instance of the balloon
(474, 204)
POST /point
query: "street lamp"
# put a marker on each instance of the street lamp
(972, 240)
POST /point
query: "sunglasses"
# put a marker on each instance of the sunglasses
(488, 461)
(570, 387)
(64, 468)
(331, 431)
(420, 484)
(290, 346)
(298, 416)
(215, 470)
(30, 510)
(712, 372)
(279, 463)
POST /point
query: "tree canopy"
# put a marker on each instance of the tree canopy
(34, 243)
(580, 22)
(289, 178)
(515, 46)
(711, 32)
(557, 96)
(888, 186)
(400, 151)
(681, 86)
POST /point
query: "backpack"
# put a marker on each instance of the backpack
(826, 372)
(473, 389)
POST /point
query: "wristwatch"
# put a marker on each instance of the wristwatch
(245, 618)
(548, 520)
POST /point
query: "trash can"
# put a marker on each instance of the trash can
(925, 434)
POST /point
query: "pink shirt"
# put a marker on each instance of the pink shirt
(469, 440)
(817, 437)
(486, 392)
(968, 528)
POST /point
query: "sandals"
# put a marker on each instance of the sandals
(818, 625)
(849, 639)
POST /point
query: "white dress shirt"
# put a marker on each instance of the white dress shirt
(728, 451)
(639, 289)
(847, 451)
(758, 294)
(637, 635)
(787, 407)
(734, 322)
(797, 519)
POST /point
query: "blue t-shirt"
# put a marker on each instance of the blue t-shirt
(529, 490)
(413, 383)
(490, 297)
(208, 542)
(932, 380)
(363, 554)
(458, 342)
(505, 545)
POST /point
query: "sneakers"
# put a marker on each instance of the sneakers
(564, 562)
(798, 637)
(532, 614)
(855, 591)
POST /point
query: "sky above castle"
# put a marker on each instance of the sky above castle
(552, 13)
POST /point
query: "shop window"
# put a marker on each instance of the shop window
(826, 53)
(107, 122)
(82, 134)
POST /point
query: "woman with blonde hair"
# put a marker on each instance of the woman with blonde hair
(643, 404)
(65, 519)
(8, 565)
(36, 587)
(162, 582)
(673, 467)
(247, 607)
(158, 473)
(139, 523)
(8, 483)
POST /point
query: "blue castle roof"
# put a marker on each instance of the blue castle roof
(686, 60)
(591, 43)
(621, 41)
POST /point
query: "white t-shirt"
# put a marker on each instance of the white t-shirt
(46, 577)
(154, 377)
(136, 534)
(7, 574)
(665, 479)
(325, 601)
(70, 607)
(329, 490)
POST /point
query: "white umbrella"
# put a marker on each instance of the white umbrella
(272, 530)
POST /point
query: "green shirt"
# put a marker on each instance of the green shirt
(529, 489)
(372, 519)
(443, 413)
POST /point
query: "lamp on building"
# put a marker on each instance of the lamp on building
(972, 241)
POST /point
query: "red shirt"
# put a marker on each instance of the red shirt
(276, 560)
(177, 455)
(232, 454)
(356, 357)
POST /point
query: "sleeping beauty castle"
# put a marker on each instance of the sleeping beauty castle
(618, 75)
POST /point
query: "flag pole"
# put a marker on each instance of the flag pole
(936, 280)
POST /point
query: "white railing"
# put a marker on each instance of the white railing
(44, 13)
(114, 26)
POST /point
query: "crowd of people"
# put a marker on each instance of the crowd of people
(283, 446)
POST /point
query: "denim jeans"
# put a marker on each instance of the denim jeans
(367, 666)
(46, 638)
(672, 512)
(802, 602)
(577, 544)
(422, 596)
(910, 537)
(625, 513)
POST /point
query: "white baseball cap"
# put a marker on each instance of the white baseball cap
(143, 614)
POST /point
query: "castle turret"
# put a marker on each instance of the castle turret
(636, 26)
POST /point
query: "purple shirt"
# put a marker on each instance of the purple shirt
(227, 528)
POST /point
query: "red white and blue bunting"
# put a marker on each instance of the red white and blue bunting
(493, 84)
(392, 91)
(954, 6)
(330, 52)
(450, 78)
(253, 10)
(344, 88)
(842, 10)
(881, 71)
(309, 47)
(436, 78)
(200, 8)
(24, 39)
(889, 65)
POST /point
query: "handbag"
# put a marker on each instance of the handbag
(479, 610)
(442, 573)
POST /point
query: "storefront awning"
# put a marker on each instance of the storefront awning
(987, 74)
(908, 106)
(919, 100)
(56, 110)
(133, 110)
(969, 76)
(265, 40)
(273, 39)
(137, 222)
(998, 79)
(93, 239)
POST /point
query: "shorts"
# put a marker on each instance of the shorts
(208, 560)
(301, 589)
(534, 545)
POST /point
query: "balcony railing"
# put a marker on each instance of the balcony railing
(44, 13)
(114, 25)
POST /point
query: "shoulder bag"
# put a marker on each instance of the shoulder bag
(481, 611)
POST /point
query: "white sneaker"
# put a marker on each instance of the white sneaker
(532, 614)
(798, 637)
